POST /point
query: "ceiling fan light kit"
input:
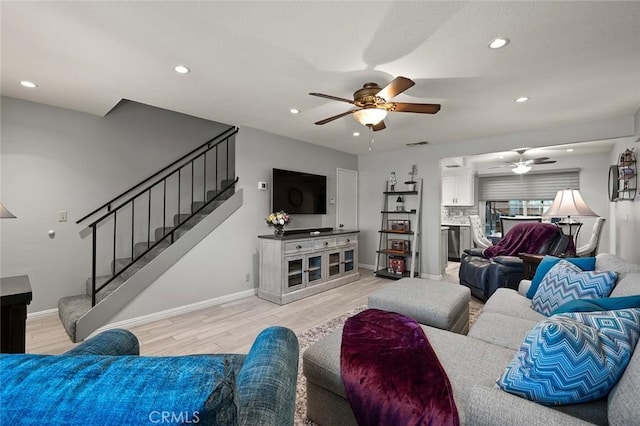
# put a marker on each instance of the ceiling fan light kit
(370, 116)
(521, 169)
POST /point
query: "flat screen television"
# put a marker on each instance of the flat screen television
(299, 193)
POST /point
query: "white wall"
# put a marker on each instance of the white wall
(56, 159)
(626, 214)
(375, 167)
(217, 266)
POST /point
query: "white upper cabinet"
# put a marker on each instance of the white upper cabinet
(459, 189)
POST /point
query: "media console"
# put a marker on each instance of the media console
(306, 262)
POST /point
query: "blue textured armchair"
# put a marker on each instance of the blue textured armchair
(104, 381)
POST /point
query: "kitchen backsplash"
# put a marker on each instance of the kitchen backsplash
(457, 214)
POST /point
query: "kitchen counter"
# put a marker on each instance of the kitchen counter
(454, 224)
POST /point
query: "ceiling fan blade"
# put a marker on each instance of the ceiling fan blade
(419, 108)
(397, 86)
(335, 98)
(545, 162)
(501, 167)
(379, 126)
(335, 117)
(535, 160)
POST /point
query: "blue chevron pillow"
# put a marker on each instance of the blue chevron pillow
(566, 282)
(573, 357)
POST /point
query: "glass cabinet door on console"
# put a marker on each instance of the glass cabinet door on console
(303, 270)
(334, 263)
(349, 256)
(314, 269)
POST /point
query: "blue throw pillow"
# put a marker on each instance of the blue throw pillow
(565, 282)
(604, 304)
(548, 262)
(573, 358)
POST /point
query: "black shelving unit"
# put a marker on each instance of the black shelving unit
(397, 254)
(623, 177)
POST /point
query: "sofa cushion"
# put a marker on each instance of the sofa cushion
(548, 262)
(510, 303)
(624, 409)
(573, 357)
(500, 329)
(80, 389)
(565, 282)
(628, 285)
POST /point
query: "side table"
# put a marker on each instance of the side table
(530, 263)
(15, 295)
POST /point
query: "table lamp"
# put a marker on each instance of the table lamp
(569, 202)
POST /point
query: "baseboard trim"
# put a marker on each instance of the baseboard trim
(168, 313)
(432, 277)
(365, 266)
(42, 314)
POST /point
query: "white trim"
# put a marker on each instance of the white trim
(157, 316)
(365, 266)
(42, 314)
(432, 277)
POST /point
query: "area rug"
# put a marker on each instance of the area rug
(314, 334)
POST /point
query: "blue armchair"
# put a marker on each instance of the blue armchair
(104, 381)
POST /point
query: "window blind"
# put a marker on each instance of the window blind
(529, 186)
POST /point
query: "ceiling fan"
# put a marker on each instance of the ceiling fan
(524, 165)
(372, 103)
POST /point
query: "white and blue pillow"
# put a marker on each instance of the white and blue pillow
(573, 357)
(548, 262)
(566, 282)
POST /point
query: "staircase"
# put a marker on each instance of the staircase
(128, 258)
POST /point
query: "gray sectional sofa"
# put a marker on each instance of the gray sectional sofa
(474, 362)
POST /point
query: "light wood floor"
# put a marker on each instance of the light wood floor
(231, 327)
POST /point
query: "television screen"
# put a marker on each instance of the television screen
(299, 193)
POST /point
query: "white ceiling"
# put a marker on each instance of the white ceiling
(253, 61)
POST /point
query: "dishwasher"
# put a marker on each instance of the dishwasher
(454, 243)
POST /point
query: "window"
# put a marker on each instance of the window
(495, 209)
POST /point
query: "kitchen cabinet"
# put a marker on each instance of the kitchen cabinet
(458, 189)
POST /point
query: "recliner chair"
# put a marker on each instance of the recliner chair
(484, 276)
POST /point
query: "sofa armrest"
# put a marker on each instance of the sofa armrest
(110, 342)
(492, 406)
(523, 287)
(510, 261)
(267, 380)
(474, 251)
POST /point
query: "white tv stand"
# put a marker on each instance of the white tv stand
(301, 264)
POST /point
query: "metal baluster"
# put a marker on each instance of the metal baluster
(115, 223)
(133, 221)
(149, 222)
(93, 266)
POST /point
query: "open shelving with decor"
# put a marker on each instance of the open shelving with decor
(397, 254)
(623, 177)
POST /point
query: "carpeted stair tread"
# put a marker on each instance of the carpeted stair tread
(70, 309)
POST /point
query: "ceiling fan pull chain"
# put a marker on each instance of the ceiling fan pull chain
(370, 136)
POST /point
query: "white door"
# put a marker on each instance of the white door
(347, 199)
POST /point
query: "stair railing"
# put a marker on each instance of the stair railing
(182, 172)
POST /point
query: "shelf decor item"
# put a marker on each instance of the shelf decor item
(278, 220)
(411, 184)
(400, 226)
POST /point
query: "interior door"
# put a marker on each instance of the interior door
(347, 199)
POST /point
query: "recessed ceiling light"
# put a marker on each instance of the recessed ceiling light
(28, 84)
(181, 69)
(569, 149)
(498, 43)
(356, 133)
(522, 99)
(294, 111)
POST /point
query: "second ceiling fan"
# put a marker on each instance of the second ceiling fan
(524, 165)
(372, 103)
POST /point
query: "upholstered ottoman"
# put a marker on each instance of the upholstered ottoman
(436, 303)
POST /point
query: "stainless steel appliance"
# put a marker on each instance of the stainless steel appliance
(454, 243)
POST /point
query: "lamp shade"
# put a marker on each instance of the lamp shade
(5, 214)
(569, 202)
(370, 116)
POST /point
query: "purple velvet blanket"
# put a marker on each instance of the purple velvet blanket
(526, 237)
(391, 374)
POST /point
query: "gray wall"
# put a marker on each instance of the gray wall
(374, 169)
(56, 159)
(218, 265)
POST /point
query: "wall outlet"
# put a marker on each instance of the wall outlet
(62, 216)
(247, 277)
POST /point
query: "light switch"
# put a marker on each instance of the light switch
(262, 186)
(332, 200)
(62, 216)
